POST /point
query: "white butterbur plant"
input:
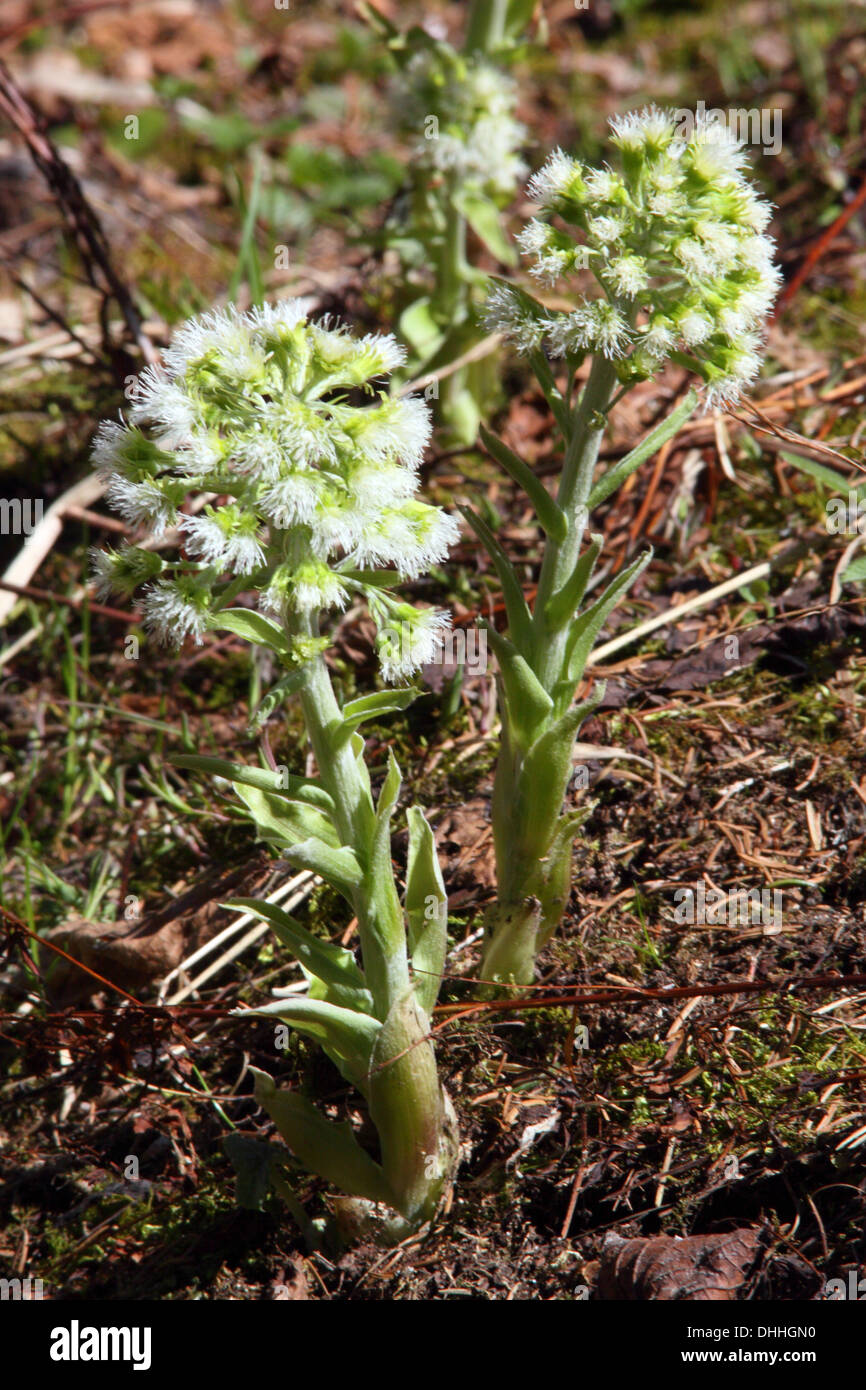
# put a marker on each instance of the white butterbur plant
(675, 240)
(310, 471)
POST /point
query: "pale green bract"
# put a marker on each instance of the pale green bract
(263, 408)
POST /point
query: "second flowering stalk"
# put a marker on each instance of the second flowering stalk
(675, 242)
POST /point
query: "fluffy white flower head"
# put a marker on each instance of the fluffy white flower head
(676, 240)
(262, 410)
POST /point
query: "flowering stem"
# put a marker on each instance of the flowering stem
(582, 446)
(453, 282)
(531, 899)
(412, 1113)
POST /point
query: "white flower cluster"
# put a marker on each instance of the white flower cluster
(262, 409)
(677, 242)
(463, 109)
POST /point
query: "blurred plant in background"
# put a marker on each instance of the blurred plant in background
(457, 108)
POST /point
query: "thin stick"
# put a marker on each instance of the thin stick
(693, 605)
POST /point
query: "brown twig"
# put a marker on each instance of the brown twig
(826, 239)
(84, 224)
(641, 996)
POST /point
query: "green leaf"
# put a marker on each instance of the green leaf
(419, 328)
(284, 821)
(616, 476)
(483, 217)
(405, 1099)
(518, 15)
(527, 703)
(519, 617)
(828, 476)
(328, 1149)
(374, 579)
(379, 868)
(551, 516)
(426, 911)
(339, 867)
(552, 393)
(856, 571)
(563, 605)
(390, 790)
(278, 783)
(586, 628)
(557, 874)
(286, 686)
(377, 21)
(251, 1160)
(346, 1033)
(373, 706)
(253, 627)
(333, 965)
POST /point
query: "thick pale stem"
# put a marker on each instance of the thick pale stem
(411, 1111)
(515, 922)
(574, 488)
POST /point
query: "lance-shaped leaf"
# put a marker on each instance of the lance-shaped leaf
(518, 15)
(333, 965)
(519, 617)
(277, 695)
(343, 1033)
(527, 703)
(616, 476)
(552, 393)
(374, 706)
(389, 793)
(278, 783)
(380, 854)
(821, 474)
(339, 867)
(483, 217)
(557, 874)
(251, 1160)
(426, 910)
(283, 821)
(586, 628)
(323, 1147)
(545, 773)
(368, 579)
(254, 627)
(551, 516)
(564, 603)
